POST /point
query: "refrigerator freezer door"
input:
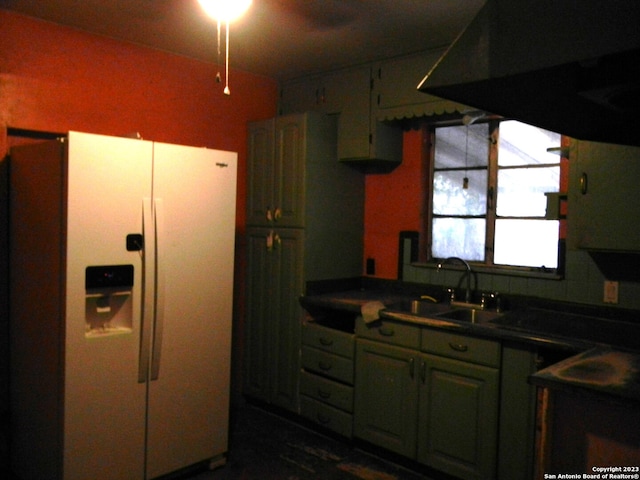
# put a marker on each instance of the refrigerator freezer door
(189, 401)
(104, 405)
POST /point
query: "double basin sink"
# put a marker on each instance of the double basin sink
(445, 311)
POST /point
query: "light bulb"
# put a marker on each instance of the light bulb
(225, 10)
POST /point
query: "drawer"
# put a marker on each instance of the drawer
(328, 339)
(462, 347)
(388, 331)
(324, 390)
(327, 364)
(327, 416)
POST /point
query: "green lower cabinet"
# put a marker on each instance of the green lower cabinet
(440, 411)
(386, 396)
(458, 417)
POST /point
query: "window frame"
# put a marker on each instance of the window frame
(425, 258)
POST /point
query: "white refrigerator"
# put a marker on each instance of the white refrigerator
(122, 255)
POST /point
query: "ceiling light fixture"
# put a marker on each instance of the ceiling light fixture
(225, 11)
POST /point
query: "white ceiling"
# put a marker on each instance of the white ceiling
(277, 38)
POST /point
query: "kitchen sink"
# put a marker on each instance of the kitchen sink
(421, 308)
(471, 315)
(425, 308)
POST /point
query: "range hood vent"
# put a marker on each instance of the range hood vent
(568, 66)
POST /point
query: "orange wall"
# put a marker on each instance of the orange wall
(393, 204)
(56, 79)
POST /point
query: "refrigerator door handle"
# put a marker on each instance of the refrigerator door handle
(159, 289)
(148, 256)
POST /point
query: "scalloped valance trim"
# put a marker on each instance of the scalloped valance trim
(427, 109)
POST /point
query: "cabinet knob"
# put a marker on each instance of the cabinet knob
(386, 331)
(324, 395)
(458, 347)
(324, 366)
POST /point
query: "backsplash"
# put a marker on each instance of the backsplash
(583, 282)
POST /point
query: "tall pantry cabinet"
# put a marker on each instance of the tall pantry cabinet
(304, 223)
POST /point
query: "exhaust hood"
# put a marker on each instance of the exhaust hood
(565, 65)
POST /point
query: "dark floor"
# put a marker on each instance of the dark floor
(265, 446)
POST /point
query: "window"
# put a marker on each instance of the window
(488, 198)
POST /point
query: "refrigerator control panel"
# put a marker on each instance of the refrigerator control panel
(108, 276)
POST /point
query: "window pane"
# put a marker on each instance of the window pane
(529, 243)
(455, 149)
(450, 198)
(459, 237)
(522, 144)
(521, 190)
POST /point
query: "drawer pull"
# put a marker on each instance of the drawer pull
(326, 341)
(584, 184)
(324, 366)
(386, 331)
(412, 367)
(458, 347)
(423, 371)
(324, 395)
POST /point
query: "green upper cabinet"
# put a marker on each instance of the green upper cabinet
(361, 138)
(395, 91)
(347, 94)
(276, 173)
(260, 196)
(601, 213)
(370, 100)
(322, 93)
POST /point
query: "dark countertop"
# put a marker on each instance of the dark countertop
(601, 369)
(602, 345)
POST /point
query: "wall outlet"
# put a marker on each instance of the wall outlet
(610, 291)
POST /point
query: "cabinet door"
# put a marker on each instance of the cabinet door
(299, 96)
(354, 139)
(289, 171)
(329, 93)
(258, 352)
(396, 83)
(272, 344)
(386, 394)
(260, 173)
(602, 214)
(286, 286)
(458, 417)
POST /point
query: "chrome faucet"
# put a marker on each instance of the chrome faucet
(467, 295)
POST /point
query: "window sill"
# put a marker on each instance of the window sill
(522, 272)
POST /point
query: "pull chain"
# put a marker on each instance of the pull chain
(465, 180)
(218, 77)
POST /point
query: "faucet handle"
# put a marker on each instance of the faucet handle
(490, 296)
(452, 294)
